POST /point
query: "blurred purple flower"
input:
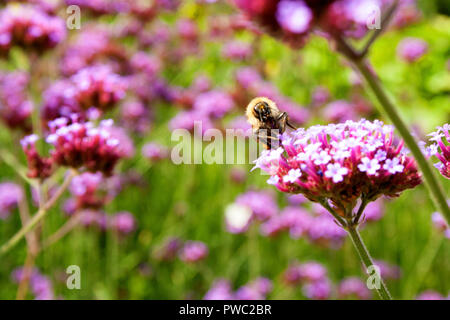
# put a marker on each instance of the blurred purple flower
(220, 290)
(261, 203)
(15, 106)
(237, 50)
(412, 49)
(294, 16)
(353, 287)
(123, 222)
(214, 103)
(10, 196)
(155, 151)
(430, 295)
(193, 251)
(29, 27)
(318, 290)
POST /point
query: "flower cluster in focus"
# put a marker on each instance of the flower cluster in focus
(341, 163)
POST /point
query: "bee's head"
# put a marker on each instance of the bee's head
(262, 110)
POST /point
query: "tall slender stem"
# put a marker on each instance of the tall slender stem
(366, 259)
(40, 214)
(431, 181)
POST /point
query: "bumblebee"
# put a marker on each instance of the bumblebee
(267, 120)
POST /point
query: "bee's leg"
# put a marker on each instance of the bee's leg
(265, 138)
(283, 121)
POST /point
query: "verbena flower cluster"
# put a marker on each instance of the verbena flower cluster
(29, 27)
(341, 163)
(292, 21)
(15, 105)
(10, 196)
(257, 289)
(189, 251)
(41, 286)
(298, 219)
(76, 145)
(87, 92)
(313, 278)
(439, 147)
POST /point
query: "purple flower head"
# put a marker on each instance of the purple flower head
(125, 146)
(15, 106)
(214, 103)
(38, 166)
(136, 117)
(262, 285)
(59, 100)
(238, 174)
(337, 163)
(10, 196)
(339, 110)
(320, 96)
(293, 20)
(324, 231)
(240, 126)
(412, 49)
(187, 29)
(84, 145)
(29, 27)
(85, 183)
(220, 290)
(193, 251)
(169, 249)
(430, 295)
(294, 16)
(294, 219)
(237, 50)
(92, 191)
(307, 272)
(296, 199)
(202, 83)
(189, 120)
(123, 223)
(247, 77)
(318, 290)
(247, 292)
(98, 87)
(440, 224)
(94, 44)
(261, 203)
(41, 286)
(155, 151)
(93, 218)
(353, 287)
(440, 148)
(148, 64)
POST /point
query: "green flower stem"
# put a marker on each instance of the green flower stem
(40, 214)
(366, 259)
(431, 181)
(350, 224)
